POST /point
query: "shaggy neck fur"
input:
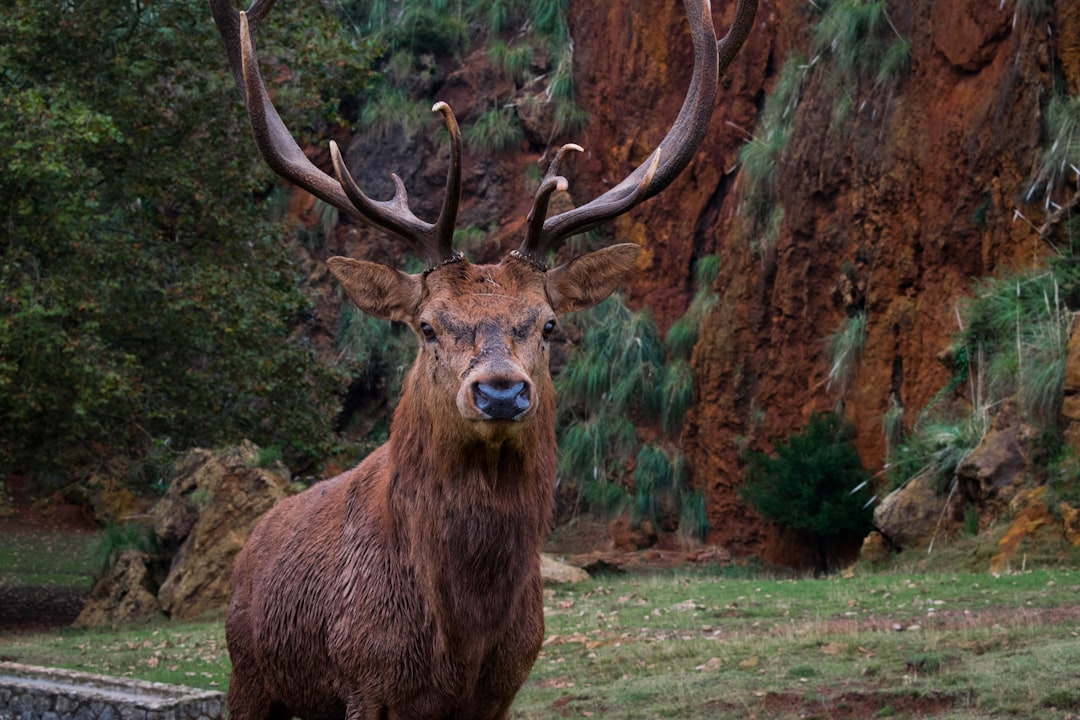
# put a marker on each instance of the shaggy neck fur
(475, 511)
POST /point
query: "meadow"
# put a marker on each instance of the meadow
(709, 641)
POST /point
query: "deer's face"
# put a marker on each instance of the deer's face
(484, 329)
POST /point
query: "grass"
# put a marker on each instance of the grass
(712, 642)
(55, 560)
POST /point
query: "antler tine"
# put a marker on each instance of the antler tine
(676, 150)
(433, 243)
(551, 182)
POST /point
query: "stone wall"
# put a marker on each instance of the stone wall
(34, 693)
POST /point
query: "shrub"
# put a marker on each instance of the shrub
(118, 538)
(814, 484)
(495, 129)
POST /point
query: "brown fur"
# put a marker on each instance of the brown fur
(409, 587)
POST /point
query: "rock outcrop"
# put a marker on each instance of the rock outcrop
(207, 514)
(124, 594)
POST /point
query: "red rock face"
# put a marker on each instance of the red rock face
(894, 210)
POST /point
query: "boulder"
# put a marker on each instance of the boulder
(559, 573)
(124, 594)
(207, 514)
(1070, 518)
(876, 549)
(908, 516)
(994, 472)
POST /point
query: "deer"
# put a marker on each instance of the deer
(409, 586)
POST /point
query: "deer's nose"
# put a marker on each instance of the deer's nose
(502, 399)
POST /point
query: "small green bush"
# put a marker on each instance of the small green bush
(815, 484)
(120, 537)
(496, 129)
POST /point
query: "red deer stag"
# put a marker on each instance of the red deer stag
(409, 587)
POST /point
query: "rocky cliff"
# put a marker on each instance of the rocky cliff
(891, 211)
(887, 199)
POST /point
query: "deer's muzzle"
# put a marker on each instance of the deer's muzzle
(502, 399)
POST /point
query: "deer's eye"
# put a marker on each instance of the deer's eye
(427, 331)
(549, 328)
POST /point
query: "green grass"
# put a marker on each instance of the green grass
(705, 641)
(57, 560)
(711, 643)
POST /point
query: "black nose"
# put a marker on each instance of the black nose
(503, 400)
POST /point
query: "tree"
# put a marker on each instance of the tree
(815, 484)
(144, 296)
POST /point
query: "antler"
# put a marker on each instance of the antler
(672, 155)
(433, 243)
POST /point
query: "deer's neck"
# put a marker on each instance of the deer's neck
(474, 513)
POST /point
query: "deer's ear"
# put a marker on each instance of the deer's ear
(378, 290)
(588, 279)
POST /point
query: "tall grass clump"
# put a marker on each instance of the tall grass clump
(760, 156)
(683, 334)
(619, 364)
(662, 494)
(118, 538)
(379, 350)
(611, 380)
(1060, 161)
(1020, 325)
(845, 348)
(861, 41)
(496, 129)
(515, 33)
(1012, 345)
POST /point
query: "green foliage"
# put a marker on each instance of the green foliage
(662, 494)
(269, 456)
(694, 519)
(118, 538)
(814, 484)
(390, 108)
(761, 155)
(860, 39)
(1060, 161)
(407, 32)
(1018, 327)
(936, 446)
(678, 395)
(683, 333)
(513, 60)
(620, 363)
(845, 350)
(1013, 345)
(495, 129)
(593, 454)
(379, 350)
(658, 481)
(144, 294)
(615, 374)
(329, 217)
